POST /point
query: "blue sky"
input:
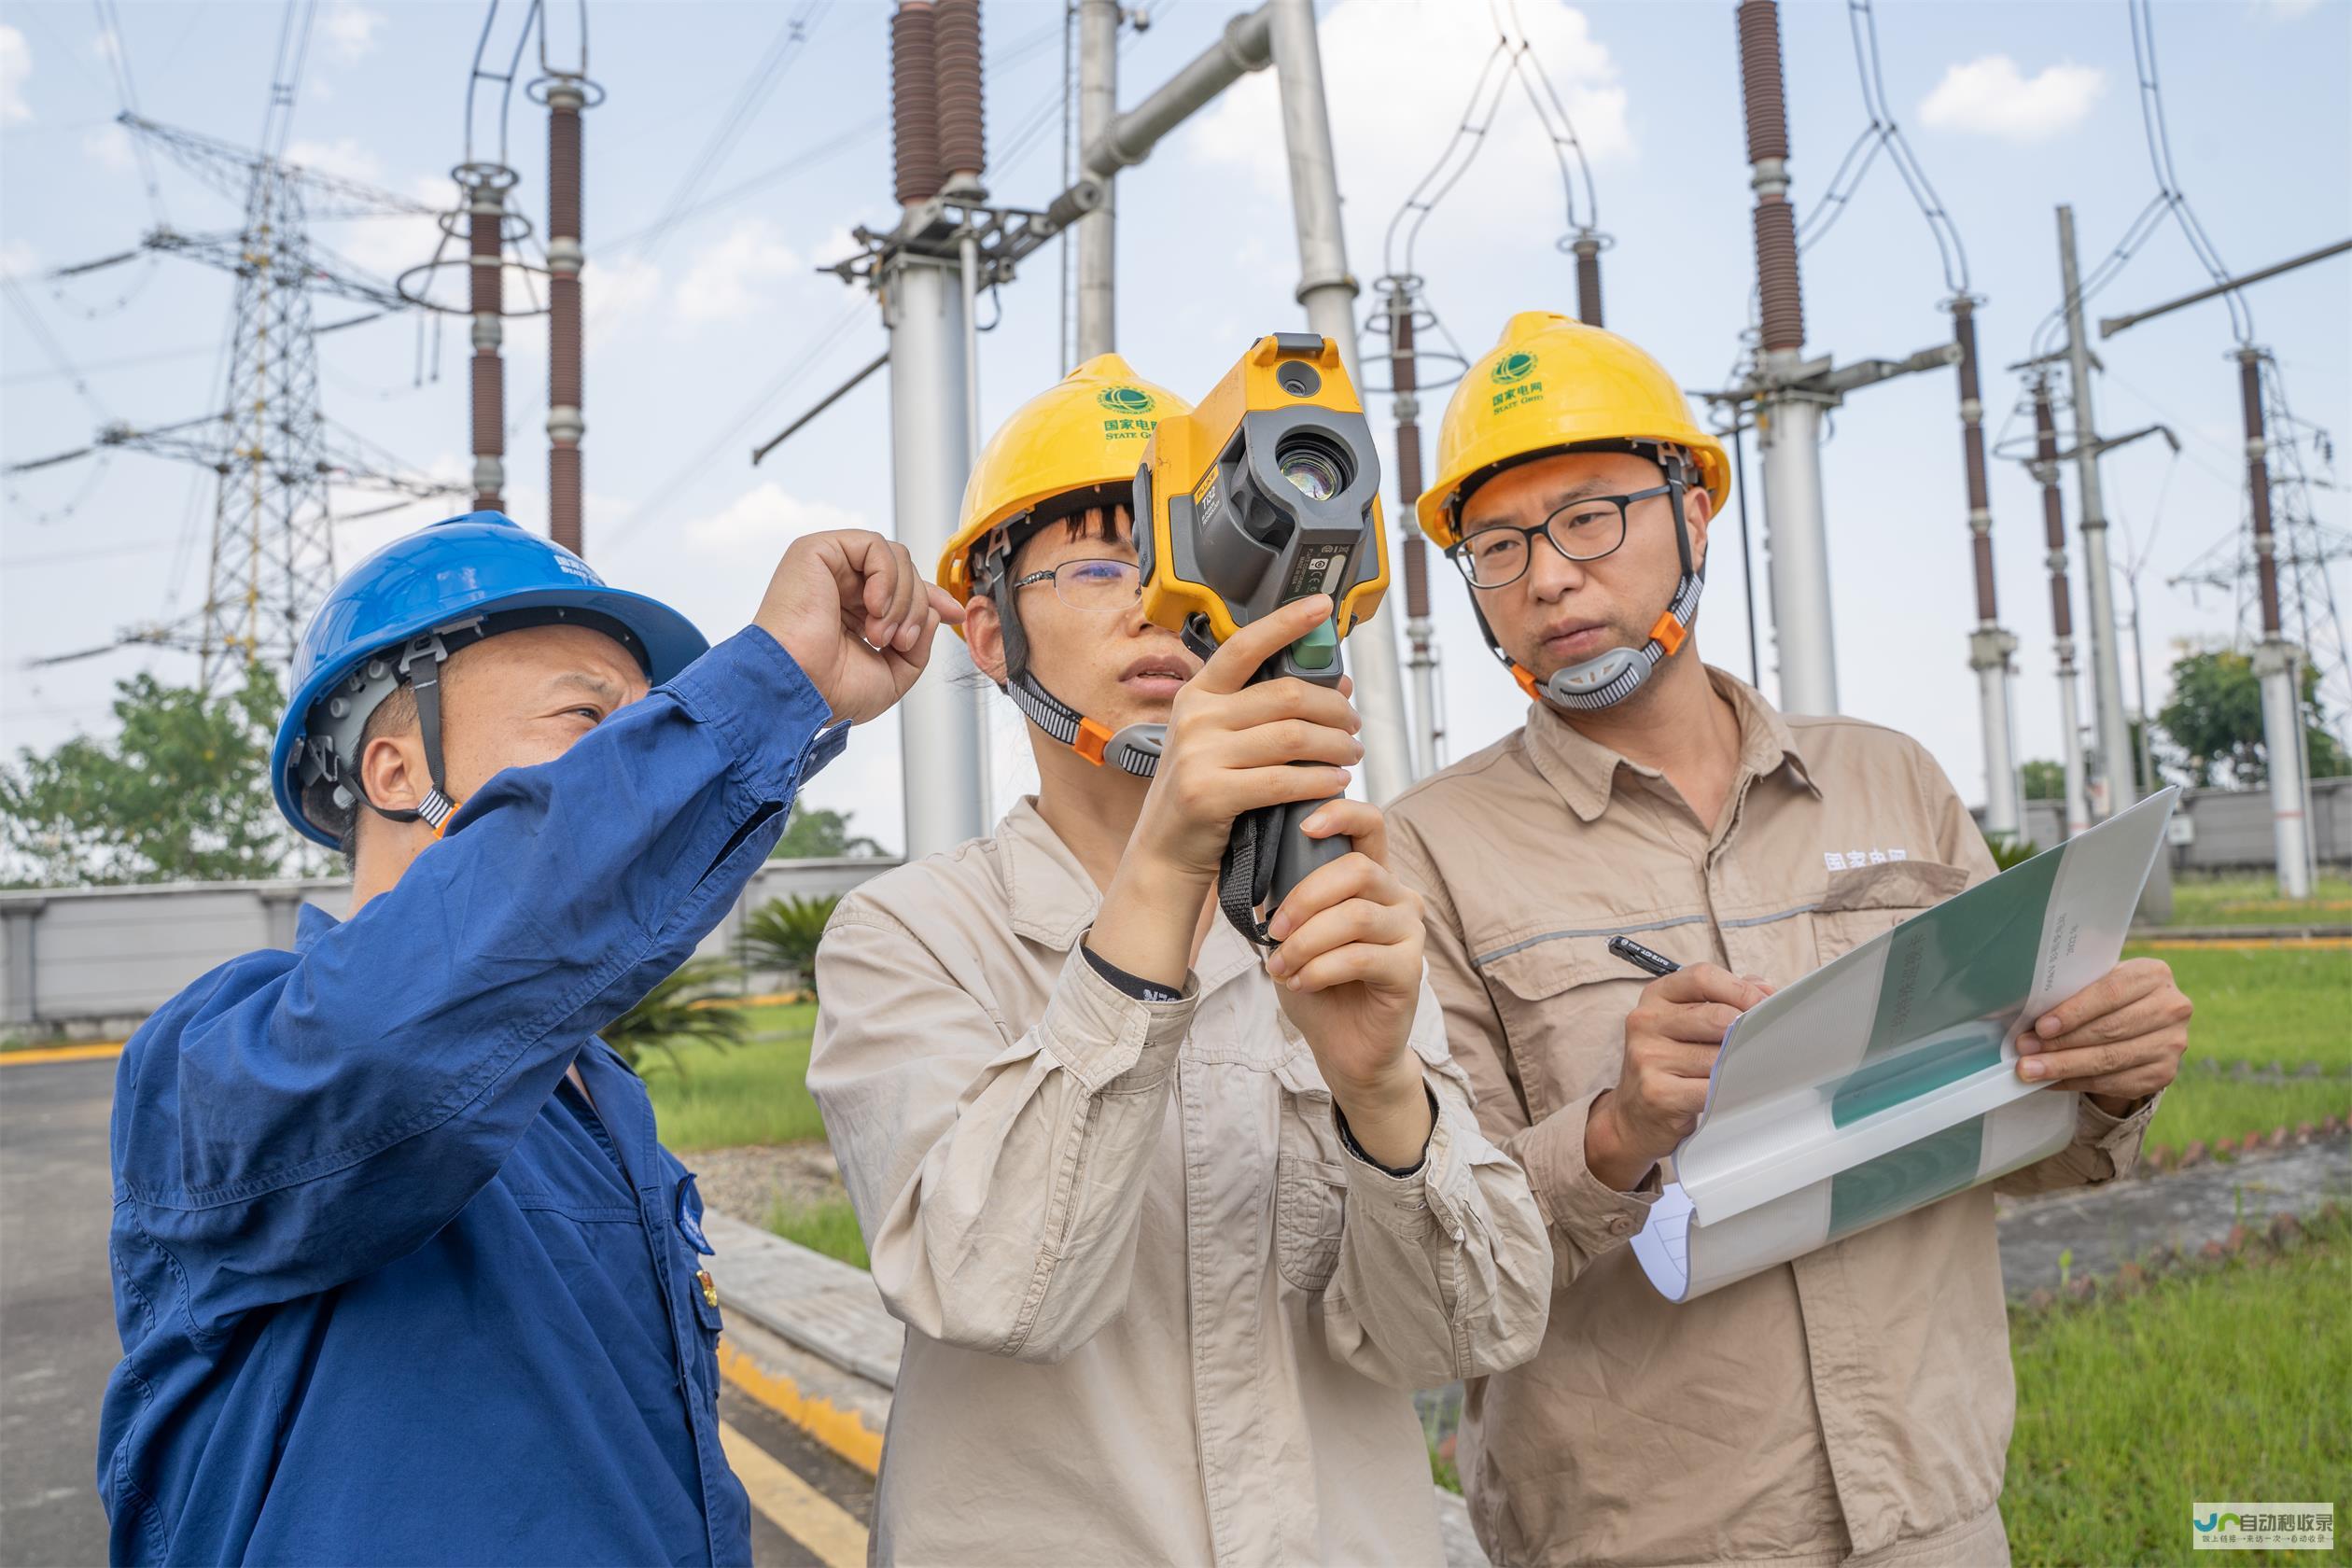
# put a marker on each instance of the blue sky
(700, 338)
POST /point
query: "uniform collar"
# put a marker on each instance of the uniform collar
(1053, 901)
(311, 923)
(1584, 771)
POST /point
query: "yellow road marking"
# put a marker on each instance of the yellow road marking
(845, 1432)
(59, 1053)
(793, 1506)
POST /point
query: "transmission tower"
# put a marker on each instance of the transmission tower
(272, 449)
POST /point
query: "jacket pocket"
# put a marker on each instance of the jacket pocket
(1562, 1003)
(1867, 903)
(1309, 1209)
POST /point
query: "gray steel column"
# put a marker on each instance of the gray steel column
(2106, 665)
(1328, 291)
(931, 456)
(1097, 105)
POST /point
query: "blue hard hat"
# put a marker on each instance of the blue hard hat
(451, 573)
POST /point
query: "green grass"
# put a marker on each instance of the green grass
(830, 1227)
(2266, 1004)
(2254, 900)
(2223, 1387)
(2202, 1108)
(753, 1094)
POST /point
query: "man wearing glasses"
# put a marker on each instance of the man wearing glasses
(1852, 1406)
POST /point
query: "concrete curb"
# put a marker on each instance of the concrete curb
(807, 1337)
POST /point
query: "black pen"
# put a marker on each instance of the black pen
(1642, 957)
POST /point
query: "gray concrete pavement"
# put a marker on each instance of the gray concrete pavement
(57, 1333)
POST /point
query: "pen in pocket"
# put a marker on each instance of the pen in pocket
(1642, 957)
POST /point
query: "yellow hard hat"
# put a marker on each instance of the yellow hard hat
(1087, 429)
(1554, 381)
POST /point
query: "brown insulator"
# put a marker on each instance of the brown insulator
(2054, 509)
(963, 147)
(489, 402)
(563, 169)
(914, 102)
(563, 495)
(2258, 484)
(1972, 456)
(1413, 546)
(562, 334)
(1588, 280)
(485, 296)
(1760, 81)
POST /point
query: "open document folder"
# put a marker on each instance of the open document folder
(1888, 1079)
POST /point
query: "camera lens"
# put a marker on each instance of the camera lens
(1313, 467)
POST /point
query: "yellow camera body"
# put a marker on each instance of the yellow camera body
(1268, 490)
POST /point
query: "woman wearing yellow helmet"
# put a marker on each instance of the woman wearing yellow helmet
(1173, 1229)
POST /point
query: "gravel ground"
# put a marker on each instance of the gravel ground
(747, 1182)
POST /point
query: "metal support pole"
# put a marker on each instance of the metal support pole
(2112, 770)
(1989, 645)
(2077, 813)
(1097, 107)
(930, 455)
(2276, 660)
(565, 425)
(1328, 291)
(1788, 418)
(1411, 546)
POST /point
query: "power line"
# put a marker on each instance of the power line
(118, 53)
(749, 101)
(1883, 134)
(1553, 115)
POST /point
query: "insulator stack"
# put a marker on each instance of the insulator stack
(1588, 249)
(914, 102)
(962, 130)
(2258, 487)
(565, 424)
(1412, 543)
(485, 211)
(1972, 455)
(1768, 156)
(2053, 516)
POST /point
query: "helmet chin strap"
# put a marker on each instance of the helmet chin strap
(1134, 749)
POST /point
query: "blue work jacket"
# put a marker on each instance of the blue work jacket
(389, 1290)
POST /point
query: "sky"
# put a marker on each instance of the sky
(710, 327)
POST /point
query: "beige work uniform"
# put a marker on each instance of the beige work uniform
(1853, 1404)
(1155, 1311)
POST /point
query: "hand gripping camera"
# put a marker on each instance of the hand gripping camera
(1268, 491)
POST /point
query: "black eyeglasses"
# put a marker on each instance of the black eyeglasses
(1092, 584)
(1585, 529)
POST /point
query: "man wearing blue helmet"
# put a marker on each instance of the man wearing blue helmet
(401, 1271)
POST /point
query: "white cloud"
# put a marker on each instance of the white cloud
(109, 146)
(726, 281)
(342, 156)
(761, 522)
(17, 259)
(1990, 96)
(614, 294)
(1399, 78)
(350, 31)
(15, 65)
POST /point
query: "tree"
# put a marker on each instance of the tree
(783, 934)
(696, 1002)
(813, 833)
(2215, 720)
(181, 793)
(2045, 781)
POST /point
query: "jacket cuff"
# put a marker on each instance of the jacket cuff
(1576, 1203)
(776, 723)
(1105, 1038)
(1400, 1204)
(2116, 1137)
